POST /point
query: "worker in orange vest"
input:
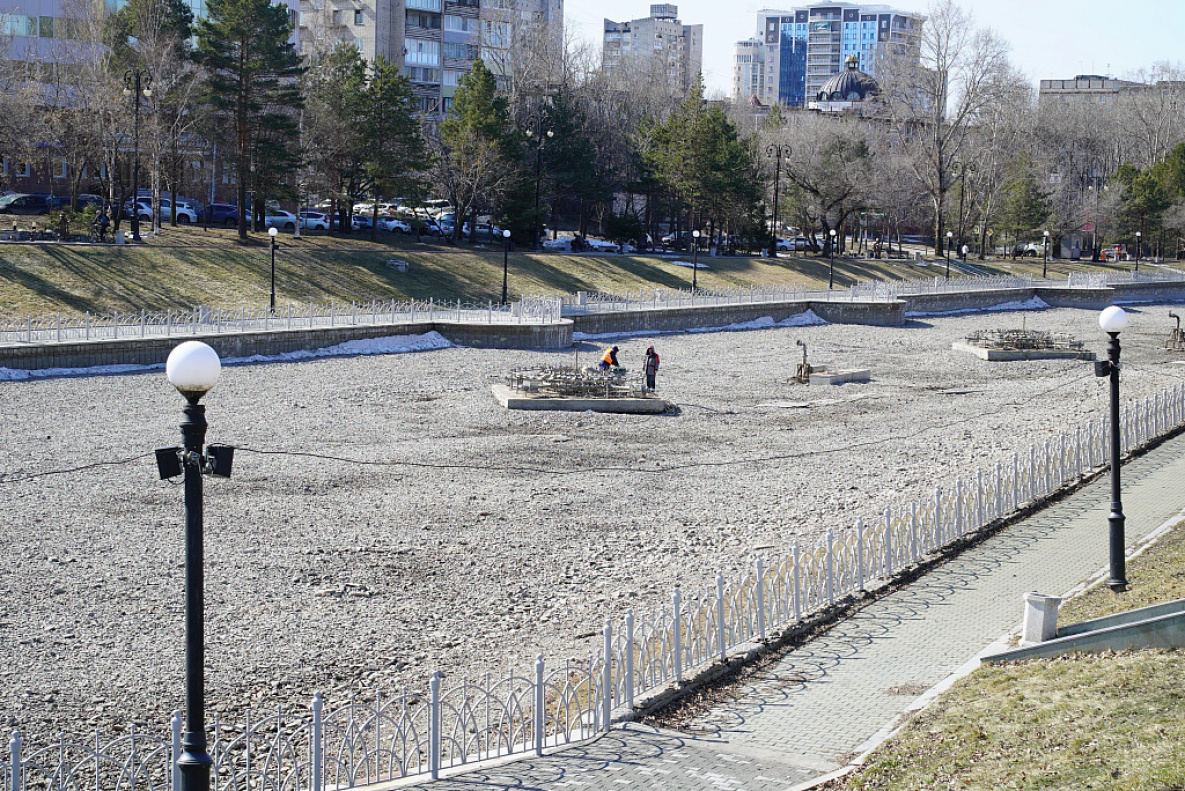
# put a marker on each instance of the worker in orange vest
(609, 360)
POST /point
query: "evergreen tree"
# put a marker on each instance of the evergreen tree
(334, 89)
(392, 148)
(1026, 206)
(252, 70)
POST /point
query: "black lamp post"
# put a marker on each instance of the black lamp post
(831, 277)
(193, 368)
(1112, 321)
(271, 232)
(132, 81)
(1045, 255)
(505, 262)
(694, 261)
(776, 150)
(538, 139)
(1139, 250)
(948, 243)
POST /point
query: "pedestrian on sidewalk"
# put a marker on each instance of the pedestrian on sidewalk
(650, 367)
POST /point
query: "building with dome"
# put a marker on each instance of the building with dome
(795, 51)
(844, 90)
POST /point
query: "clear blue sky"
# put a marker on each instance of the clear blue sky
(1051, 39)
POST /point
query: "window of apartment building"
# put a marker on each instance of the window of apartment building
(422, 53)
(423, 74)
(453, 76)
(358, 16)
(448, 104)
(46, 27)
(420, 19)
(424, 5)
(460, 24)
(59, 169)
(337, 17)
(23, 171)
(460, 51)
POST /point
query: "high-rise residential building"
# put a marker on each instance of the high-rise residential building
(435, 41)
(1089, 91)
(659, 46)
(800, 48)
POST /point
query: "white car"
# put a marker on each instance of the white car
(186, 212)
(282, 220)
(394, 224)
(314, 221)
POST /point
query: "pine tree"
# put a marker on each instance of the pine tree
(253, 69)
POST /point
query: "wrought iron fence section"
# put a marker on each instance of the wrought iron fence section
(359, 744)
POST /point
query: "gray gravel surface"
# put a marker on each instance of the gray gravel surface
(475, 537)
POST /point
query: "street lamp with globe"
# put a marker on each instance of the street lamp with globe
(694, 260)
(831, 277)
(1044, 254)
(1139, 250)
(193, 368)
(949, 236)
(1112, 321)
(505, 261)
(271, 232)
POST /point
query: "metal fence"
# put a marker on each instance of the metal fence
(1104, 279)
(364, 742)
(205, 320)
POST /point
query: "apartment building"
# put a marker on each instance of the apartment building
(801, 48)
(435, 41)
(657, 46)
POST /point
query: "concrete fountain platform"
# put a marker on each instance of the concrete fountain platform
(638, 405)
(994, 355)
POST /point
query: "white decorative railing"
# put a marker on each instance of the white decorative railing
(1104, 279)
(361, 743)
(205, 320)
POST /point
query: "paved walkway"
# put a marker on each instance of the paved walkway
(819, 706)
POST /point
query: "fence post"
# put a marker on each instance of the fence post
(14, 752)
(888, 542)
(143, 323)
(860, 553)
(629, 658)
(88, 325)
(434, 725)
(607, 671)
(678, 634)
(797, 583)
(114, 325)
(913, 530)
(938, 542)
(721, 642)
(540, 701)
(175, 769)
(760, 597)
(1032, 472)
(830, 567)
(316, 781)
(959, 525)
(59, 327)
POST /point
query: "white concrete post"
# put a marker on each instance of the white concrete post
(1032, 472)
(937, 517)
(999, 491)
(979, 509)
(721, 641)
(760, 597)
(797, 583)
(14, 758)
(830, 567)
(677, 629)
(540, 701)
(913, 530)
(959, 525)
(860, 553)
(1040, 623)
(607, 682)
(629, 658)
(434, 726)
(175, 724)
(317, 780)
(888, 542)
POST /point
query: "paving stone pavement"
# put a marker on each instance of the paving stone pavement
(817, 706)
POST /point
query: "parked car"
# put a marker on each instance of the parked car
(314, 221)
(394, 225)
(25, 203)
(186, 210)
(361, 221)
(223, 214)
(1033, 250)
(485, 232)
(283, 220)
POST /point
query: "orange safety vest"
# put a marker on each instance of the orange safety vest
(608, 358)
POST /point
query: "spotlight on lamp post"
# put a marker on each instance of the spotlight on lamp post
(1112, 321)
(271, 232)
(949, 235)
(776, 151)
(538, 137)
(193, 368)
(1138, 250)
(831, 277)
(694, 261)
(505, 261)
(133, 79)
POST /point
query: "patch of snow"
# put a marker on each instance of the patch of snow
(391, 344)
(690, 265)
(1036, 303)
(807, 319)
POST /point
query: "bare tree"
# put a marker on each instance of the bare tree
(934, 96)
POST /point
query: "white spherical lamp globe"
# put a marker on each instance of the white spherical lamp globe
(1113, 319)
(193, 368)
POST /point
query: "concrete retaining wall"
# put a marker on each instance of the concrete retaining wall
(882, 314)
(150, 351)
(966, 300)
(1087, 298)
(1149, 292)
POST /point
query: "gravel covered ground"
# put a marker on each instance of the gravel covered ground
(476, 537)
